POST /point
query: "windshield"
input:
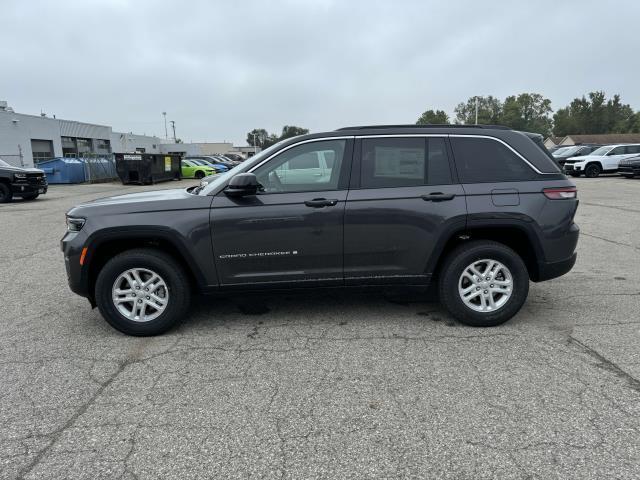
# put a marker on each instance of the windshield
(560, 151)
(243, 167)
(566, 151)
(600, 152)
(3, 163)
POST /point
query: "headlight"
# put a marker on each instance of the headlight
(20, 176)
(75, 224)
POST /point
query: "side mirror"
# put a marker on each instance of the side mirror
(241, 185)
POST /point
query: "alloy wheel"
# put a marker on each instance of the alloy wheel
(485, 285)
(140, 294)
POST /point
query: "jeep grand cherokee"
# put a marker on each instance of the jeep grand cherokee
(478, 211)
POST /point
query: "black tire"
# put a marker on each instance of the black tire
(159, 262)
(5, 193)
(592, 170)
(31, 196)
(199, 174)
(463, 256)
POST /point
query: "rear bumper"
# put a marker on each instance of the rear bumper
(549, 270)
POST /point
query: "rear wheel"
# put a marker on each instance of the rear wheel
(142, 292)
(483, 283)
(5, 193)
(592, 170)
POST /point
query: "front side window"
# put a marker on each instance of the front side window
(600, 152)
(310, 167)
(480, 160)
(404, 162)
(617, 151)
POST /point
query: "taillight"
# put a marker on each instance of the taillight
(560, 193)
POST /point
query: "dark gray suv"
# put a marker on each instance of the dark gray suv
(477, 211)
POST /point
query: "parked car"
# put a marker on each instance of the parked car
(210, 161)
(235, 157)
(27, 183)
(386, 209)
(227, 161)
(562, 154)
(191, 169)
(602, 160)
(630, 167)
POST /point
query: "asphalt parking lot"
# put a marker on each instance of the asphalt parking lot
(323, 385)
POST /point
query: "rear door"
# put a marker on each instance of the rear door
(402, 204)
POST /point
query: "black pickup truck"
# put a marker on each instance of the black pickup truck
(27, 183)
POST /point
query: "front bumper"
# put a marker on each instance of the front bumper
(629, 169)
(77, 276)
(29, 188)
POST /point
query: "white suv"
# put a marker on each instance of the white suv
(603, 160)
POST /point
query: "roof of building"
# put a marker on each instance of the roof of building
(606, 138)
(556, 140)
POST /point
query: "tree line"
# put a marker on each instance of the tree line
(532, 112)
(259, 137)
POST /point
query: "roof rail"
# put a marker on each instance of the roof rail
(367, 127)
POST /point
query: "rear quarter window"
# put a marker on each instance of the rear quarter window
(480, 160)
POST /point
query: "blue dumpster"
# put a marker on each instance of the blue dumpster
(64, 170)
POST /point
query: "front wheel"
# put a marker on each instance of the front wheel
(199, 174)
(142, 292)
(5, 193)
(483, 283)
(592, 170)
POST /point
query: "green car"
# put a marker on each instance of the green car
(191, 169)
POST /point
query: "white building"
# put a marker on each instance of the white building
(26, 139)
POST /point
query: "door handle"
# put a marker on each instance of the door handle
(321, 202)
(438, 197)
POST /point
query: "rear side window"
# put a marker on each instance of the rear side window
(633, 149)
(481, 160)
(404, 162)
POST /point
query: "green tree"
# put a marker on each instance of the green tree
(489, 111)
(528, 112)
(595, 114)
(431, 117)
(289, 131)
(258, 137)
(263, 139)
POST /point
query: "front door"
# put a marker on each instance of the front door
(402, 202)
(291, 232)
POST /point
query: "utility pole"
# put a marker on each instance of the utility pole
(476, 109)
(173, 125)
(255, 146)
(166, 136)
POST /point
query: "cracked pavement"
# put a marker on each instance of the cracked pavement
(323, 385)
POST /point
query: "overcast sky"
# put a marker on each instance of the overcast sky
(220, 69)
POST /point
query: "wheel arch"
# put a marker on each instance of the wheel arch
(513, 234)
(105, 246)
